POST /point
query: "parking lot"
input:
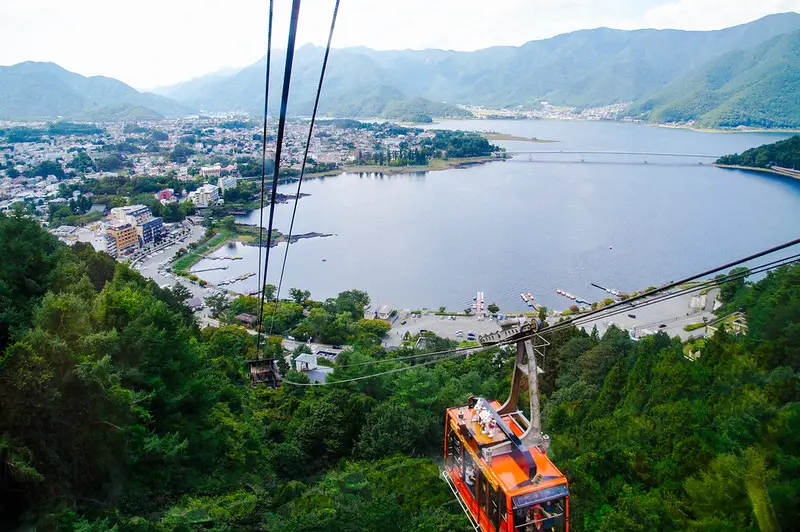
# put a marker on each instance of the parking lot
(440, 325)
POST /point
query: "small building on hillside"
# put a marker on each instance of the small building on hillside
(194, 303)
(210, 171)
(102, 208)
(264, 372)
(309, 366)
(248, 320)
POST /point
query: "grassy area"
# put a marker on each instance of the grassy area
(435, 164)
(246, 234)
(694, 327)
(506, 136)
(690, 284)
(204, 247)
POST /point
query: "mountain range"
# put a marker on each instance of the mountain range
(32, 91)
(744, 75)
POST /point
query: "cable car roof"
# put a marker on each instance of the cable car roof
(508, 470)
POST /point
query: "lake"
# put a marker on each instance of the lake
(555, 221)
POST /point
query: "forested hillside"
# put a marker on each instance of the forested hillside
(784, 153)
(759, 87)
(117, 411)
(593, 67)
(35, 91)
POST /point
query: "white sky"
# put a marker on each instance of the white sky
(149, 43)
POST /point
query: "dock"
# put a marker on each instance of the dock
(614, 292)
(210, 269)
(479, 303)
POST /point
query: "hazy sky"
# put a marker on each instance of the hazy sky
(148, 43)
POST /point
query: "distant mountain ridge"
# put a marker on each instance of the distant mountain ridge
(41, 91)
(745, 75)
(758, 87)
(585, 68)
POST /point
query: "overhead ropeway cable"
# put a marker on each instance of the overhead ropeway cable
(305, 159)
(264, 141)
(608, 311)
(287, 77)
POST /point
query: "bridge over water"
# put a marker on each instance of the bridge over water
(591, 152)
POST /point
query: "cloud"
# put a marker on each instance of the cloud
(711, 14)
(148, 43)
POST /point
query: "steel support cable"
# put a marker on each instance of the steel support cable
(480, 349)
(305, 158)
(710, 284)
(373, 375)
(580, 321)
(264, 141)
(469, 350)
(615, 310)
(287, 78)
(565, 324)
(464, 350)
(694, 277)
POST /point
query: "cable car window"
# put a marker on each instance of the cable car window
(453, 451)
(497, 507)
(482, 492)
(470, 473)
(548, 516)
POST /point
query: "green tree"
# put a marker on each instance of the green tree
(228, 223)
(299, 296)
(46, 168)
(217, 303)
(181, 292)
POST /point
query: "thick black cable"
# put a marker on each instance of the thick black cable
(305, 158)
(711, 283)
(287, 78)
(694, 277)
(264, 142)
(459, 352)
(613, 310)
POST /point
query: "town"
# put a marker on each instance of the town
(103, 183)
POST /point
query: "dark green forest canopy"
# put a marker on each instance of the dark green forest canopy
(116, 410)
(784, 153)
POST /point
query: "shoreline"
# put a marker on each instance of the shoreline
(493, 135)
(759, 170)
(435, 166)
(721, 129)
(737, 129)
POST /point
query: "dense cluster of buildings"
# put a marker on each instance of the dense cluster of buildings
(546, 111)
(131, 228)
(215, 154)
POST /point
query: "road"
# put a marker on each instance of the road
(152, 267)
(675, 313)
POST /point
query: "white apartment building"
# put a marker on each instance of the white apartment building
(204, 196)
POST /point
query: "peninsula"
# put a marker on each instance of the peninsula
(781, 158)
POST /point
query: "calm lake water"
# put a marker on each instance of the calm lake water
(431, 239)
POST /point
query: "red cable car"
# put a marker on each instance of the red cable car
(495, 460)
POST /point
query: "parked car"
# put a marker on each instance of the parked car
(662, 326)
(632, 316)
